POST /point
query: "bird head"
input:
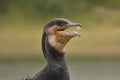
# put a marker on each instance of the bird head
(57, 34)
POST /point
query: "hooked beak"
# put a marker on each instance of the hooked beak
(64, 36)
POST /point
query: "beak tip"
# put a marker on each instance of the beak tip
(80, 25)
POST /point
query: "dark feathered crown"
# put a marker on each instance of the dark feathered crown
(58, 21)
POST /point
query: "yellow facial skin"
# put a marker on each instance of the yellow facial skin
(58, 37)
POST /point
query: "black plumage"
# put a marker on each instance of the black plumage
(56, 68)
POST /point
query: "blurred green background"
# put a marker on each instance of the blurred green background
(22, 22)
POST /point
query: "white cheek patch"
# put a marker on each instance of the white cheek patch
(53, 42)
(52, 39)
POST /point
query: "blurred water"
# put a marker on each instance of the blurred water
(79, 70)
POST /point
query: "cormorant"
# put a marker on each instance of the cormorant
(54, 40)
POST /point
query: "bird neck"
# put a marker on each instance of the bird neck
(51, 54)
(55, 61)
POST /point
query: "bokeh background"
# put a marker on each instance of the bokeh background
(93, 56)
